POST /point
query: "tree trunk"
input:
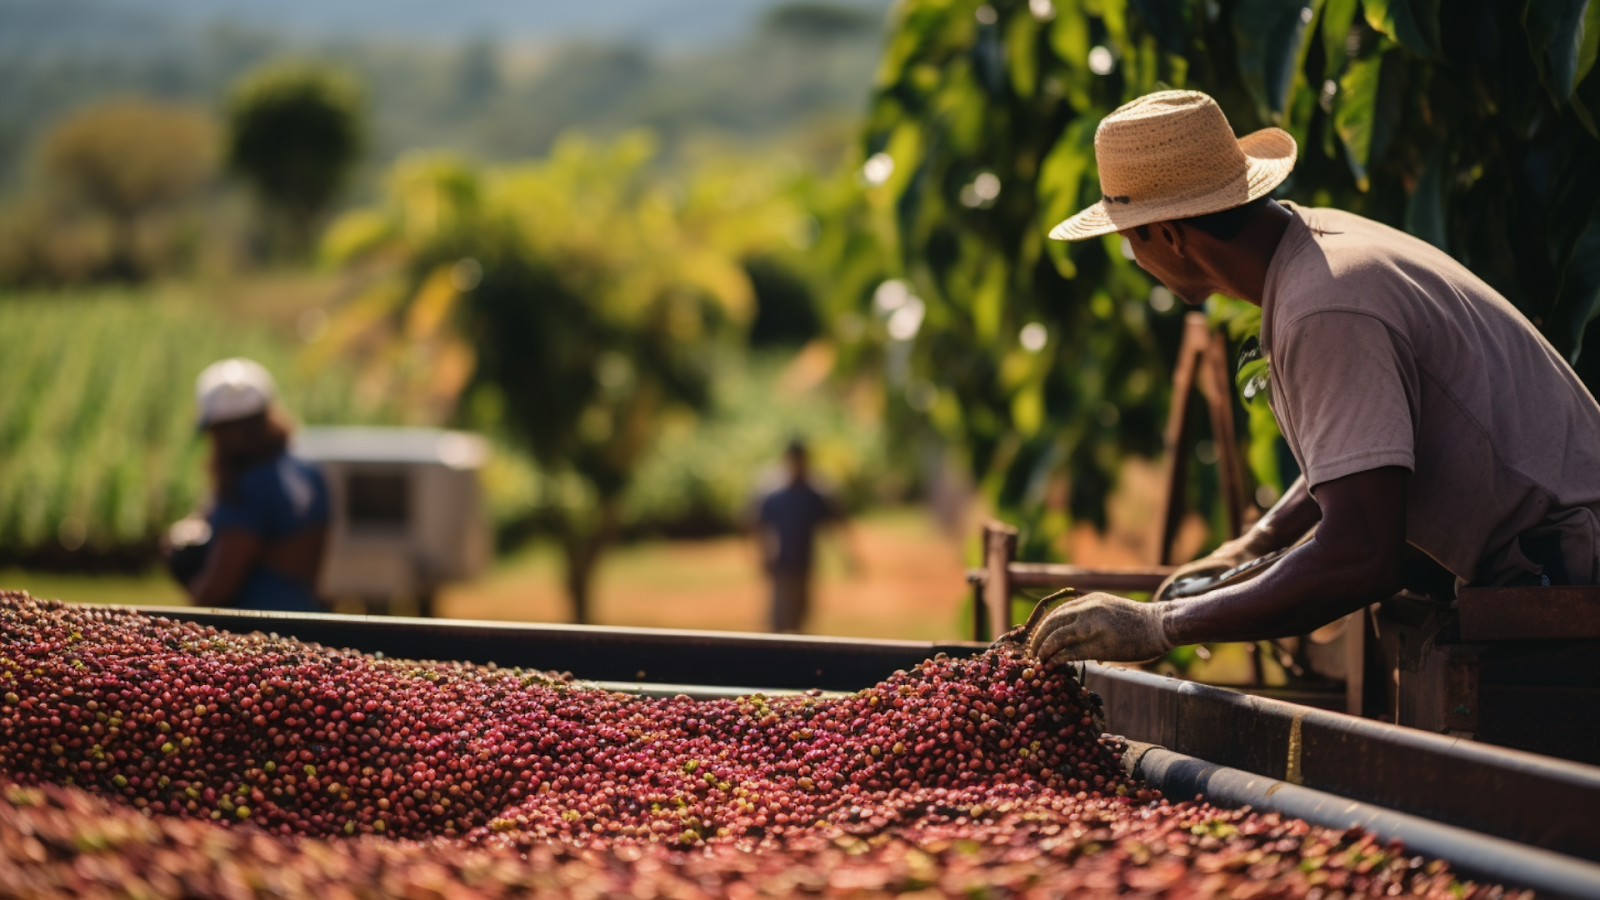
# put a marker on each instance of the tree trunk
(581, 560)
(583, 548)
(123, 264)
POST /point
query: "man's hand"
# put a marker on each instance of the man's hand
(1295, 514)
(1102, 627)
(1230, 555)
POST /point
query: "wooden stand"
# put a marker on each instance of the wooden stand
(1509, 666)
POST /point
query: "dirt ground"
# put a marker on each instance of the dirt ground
(911, 585)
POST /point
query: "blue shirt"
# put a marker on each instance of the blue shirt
(792, 514)
(274, 500)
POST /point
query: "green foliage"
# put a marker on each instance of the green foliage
(295, 133)
(97, 416)
(593, 298)
(701, 476)
(1472, 130)
(128, 159)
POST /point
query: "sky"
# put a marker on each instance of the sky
(648, 22)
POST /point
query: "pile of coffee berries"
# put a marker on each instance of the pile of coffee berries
(191, 762)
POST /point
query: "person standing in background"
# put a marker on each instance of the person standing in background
(787, 522)
(268, 522)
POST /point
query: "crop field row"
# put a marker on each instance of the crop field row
(97, 414)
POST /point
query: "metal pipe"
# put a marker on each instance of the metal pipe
(1400, 768)
(1469, 853)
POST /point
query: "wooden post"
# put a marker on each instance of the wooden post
(1355, 661)
(1217, 386)
(999, 549)
(1196, 337)
(980, 615)
(1202, 363)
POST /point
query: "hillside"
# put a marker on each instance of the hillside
(495, 89)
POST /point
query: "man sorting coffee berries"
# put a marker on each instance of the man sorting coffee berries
(1436, 428)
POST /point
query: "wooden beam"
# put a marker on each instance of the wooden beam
(1529, 613)
(1133, 579)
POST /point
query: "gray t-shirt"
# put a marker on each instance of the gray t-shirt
(1385, 351)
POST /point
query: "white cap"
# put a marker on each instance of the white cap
(233, 389)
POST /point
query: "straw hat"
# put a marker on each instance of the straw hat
(1171, 155)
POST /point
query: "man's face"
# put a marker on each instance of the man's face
(1159, 255)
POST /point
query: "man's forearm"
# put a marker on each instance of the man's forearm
(1295, 513)
(1307, 589)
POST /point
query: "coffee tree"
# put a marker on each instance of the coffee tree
(1047, 362)
(579, 300)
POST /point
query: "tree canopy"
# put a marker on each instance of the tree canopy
(295, 134)
(127, 159)
(582, 300)
(1047, 362)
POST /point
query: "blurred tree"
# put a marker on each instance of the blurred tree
(786, 313)
(295, 133)
(127, 159)
(821, 22)
(1043, 361)
(589, 299)
(477, 73)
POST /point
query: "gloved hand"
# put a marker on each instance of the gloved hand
(1102, 627)
(1236, 552)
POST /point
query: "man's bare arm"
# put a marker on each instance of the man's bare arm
(1286, 522)
(1295, 513)
(1354, 559)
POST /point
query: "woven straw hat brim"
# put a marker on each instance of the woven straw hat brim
(1269, 158)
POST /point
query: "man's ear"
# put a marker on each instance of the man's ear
(1175, 236)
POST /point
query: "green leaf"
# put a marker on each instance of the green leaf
(1589, 46)
(1578, 301)
(989, 60)
(989, 301)
(1586, 102)
(1069, 39)
(1060, 185)
(1022, 51)
(1356, 111)
(1252, 377)
(1337, 18)
(1269, 34)
(1027, 410)
(1167, 22)
(1559, 36)
(1114, 14)
(1425, 215)
(1413, 24)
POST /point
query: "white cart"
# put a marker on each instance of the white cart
(408, 514)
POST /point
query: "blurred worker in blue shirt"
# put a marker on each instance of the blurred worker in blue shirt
(787, 523)
(268, 523)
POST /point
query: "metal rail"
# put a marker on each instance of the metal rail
(656, 655)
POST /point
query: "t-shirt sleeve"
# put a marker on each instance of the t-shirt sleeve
(1349, 386)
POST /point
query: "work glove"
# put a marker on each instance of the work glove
(1102, 627)
(1230, 555)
